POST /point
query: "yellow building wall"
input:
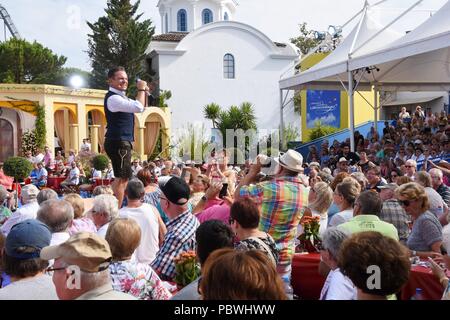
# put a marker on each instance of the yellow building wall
(363, 111)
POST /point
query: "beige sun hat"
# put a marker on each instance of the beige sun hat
(291, 160)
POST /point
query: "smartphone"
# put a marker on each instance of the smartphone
(223, 191)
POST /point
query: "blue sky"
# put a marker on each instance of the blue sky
(61, 24)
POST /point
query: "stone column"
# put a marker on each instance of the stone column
(193, 25)
(74, 137)
(94, 137)
(82, 123)
(49, 123)
(165, 140)
(141, 143)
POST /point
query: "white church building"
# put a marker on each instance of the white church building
(203, 56)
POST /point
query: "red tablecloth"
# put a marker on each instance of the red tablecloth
(54, 182)
(102, 182)
(307, 282)
(421, 277)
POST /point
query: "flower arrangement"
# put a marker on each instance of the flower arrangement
(186, 268)
(309, 239)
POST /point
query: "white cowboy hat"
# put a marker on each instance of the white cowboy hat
(291, 160)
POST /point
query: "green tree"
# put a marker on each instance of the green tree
(242, 117)
(26, 62)
(305, 41)
(119, 39)
(321, 130)
(211, 112)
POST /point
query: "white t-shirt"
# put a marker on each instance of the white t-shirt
(338, 287)
(74, 176)
(146, 217)
(341, 217)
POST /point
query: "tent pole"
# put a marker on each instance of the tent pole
(375, 107)
(281, 120)
(351, 107)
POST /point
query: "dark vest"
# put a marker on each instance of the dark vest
(120, 125)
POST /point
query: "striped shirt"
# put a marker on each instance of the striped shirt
(180, 237)
(282, 201)
(394, 213)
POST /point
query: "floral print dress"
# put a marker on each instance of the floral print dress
(138, 279)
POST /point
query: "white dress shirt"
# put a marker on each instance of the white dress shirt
(338, 287)
(25, 212)
(121, 103)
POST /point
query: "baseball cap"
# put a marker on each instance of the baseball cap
(343, 159)
(391, 186)
(88, 251)
(30, 191)
(175, 189)
(30, 233)
(418, 141)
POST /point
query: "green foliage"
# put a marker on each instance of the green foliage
(190, 141)
(29, 142)
(26, 62)
(119, 39)
(40, 129)
(321, 130)
(242, 117)
(100, 162)
(164, 95)
(211, 112)
(17, 167)
(305, 41)
(298, 102)
(270, 145)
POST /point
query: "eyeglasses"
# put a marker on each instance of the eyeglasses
(49, 270)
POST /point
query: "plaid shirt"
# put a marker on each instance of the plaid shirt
(282, 203)
(393, 212)
(444, 192)
(180, 237)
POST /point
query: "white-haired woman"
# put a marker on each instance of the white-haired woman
(337, 286)
(104, 210)
(320, 198)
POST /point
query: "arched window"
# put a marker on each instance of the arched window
(226, 17)
(207, 16)
(181, 20)
(167, 23)
(228, 66)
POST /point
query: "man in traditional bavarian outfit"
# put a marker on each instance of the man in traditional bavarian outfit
(119, 111)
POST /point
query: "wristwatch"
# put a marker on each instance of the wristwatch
(204, 198)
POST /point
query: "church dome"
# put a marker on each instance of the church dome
(188, 15)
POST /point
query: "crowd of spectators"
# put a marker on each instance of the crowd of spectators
(385, 204)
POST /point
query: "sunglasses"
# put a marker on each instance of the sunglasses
(408, 166)
(405, 203)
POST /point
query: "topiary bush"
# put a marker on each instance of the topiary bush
(100, 162)
(18, 167)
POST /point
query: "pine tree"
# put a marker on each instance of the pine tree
(119, 39)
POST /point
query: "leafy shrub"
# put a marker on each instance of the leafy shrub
(17, 167)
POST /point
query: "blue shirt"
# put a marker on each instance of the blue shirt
(426, 230)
